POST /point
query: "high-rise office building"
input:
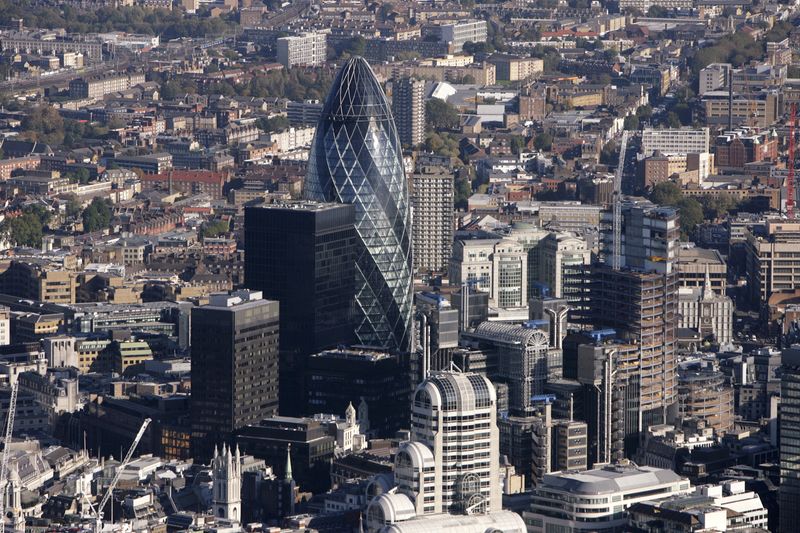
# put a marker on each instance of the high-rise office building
(642, 308)
(302, 254)
(432, 228)
(447, 475)
(563, 266)
(452, 460)
(437, 334)
(640, 302)
(234, 367)
(369, 380)
(789, 492)
(408, 107)
(523, 360)
(356, 159)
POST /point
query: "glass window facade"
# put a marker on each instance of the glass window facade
(356, 159)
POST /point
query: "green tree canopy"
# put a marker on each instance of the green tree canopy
(543, 141)
(690, 210)
(215, 228)
(439, 115)
(44, 123)
(73, 207)
(23, 230)
(276, 123)
(97, 215)
(631, 123)
(665, 193)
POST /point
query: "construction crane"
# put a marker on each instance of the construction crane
(790, 165)
(98, 513)
(616, 258)
(12, 409)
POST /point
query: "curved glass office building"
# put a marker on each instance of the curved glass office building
(356, 159)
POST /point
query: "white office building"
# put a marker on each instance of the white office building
(448, 475)
(463, 32)
(597, 500)
(308, 49)
(714, 77)
(675, 141)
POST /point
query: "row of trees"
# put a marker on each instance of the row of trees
(169, 24)
(694, 211)
(27, 228)
(295, 84)
(45, 124)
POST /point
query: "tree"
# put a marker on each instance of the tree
(73, 206)
(463, 190)
(215, 228)
(610, 55)
(439, 115)
(517, 144)
(716, 207)
(23, 230)
(631, 123)
(81, 176)
(543, 141)
(97, 215)
(691, 212)
(276, 123)
(44, 123)
(609, 154)
(673, 121)
(442, 144)
(665, 193)
(644, 112)
(657, 12)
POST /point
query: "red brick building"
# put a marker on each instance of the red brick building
(187, 182)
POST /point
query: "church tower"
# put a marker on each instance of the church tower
(15, 506)
(227, 474)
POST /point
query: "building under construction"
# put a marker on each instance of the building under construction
(642, 308)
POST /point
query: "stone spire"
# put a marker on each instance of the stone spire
(708, 292)
(288, 474)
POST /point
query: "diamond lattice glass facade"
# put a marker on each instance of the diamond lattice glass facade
(355, 158)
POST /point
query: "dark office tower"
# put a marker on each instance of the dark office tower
(234, 367)
(789, 492)
(408, 106)
(355, 159)
(302, 254)
(369, 380)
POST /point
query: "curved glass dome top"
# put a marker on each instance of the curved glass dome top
(356, 159)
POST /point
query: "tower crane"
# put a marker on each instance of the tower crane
(12, 409)
(616, 258)
(790, 165)
(98, 513)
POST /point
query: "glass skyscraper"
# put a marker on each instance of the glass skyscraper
(356, 159)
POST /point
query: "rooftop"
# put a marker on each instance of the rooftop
(610, 479)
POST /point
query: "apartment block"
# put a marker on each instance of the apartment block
(432, 217)
(308, 49)
(408, 108)
(103, 85)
